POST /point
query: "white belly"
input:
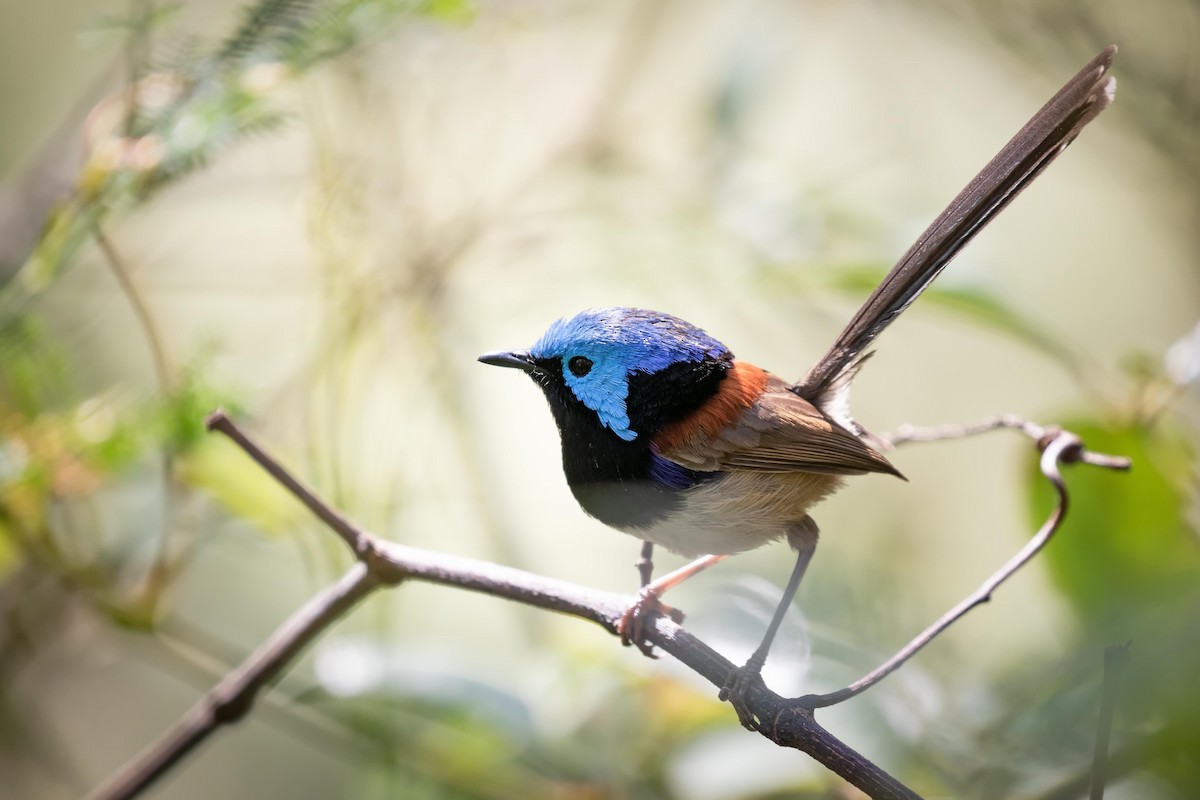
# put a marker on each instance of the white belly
(739, 511)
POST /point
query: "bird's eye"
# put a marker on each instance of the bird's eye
(580, 366)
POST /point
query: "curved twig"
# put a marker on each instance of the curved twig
(154, 339)
(161, 567)
(1049, 464)
(1057, 446)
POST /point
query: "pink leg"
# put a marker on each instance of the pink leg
(633, 621)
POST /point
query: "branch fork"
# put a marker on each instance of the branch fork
(379, 563)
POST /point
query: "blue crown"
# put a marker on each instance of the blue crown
(620, 342)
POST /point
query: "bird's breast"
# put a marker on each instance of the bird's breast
(628, 504)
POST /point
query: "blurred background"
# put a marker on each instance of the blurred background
(317, 214)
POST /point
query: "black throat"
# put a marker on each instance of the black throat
(623, 483)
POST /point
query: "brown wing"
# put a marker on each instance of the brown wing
(780, 432)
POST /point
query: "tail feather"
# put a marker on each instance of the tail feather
(1037, 144)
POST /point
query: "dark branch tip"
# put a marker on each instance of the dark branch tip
(1074, 452)
(216, 419)
(1120, 463)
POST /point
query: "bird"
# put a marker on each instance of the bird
(668, 437)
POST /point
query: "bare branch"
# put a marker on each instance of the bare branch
(358, 540)
(233, 697)
(383, 563)
(787, 722)
(161, 568)
(154, 340)
(1120, 763)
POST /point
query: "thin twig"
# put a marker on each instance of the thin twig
(1116, 658)
(160, 569)
(1121, 762)
(233, 697)
(154, 341)
(201, 659)
(358, 540)
(940, 433)
(1057, 446)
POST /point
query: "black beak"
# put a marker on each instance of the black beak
(518, 359)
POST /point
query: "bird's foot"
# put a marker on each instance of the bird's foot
(738, 683)
(632, 626)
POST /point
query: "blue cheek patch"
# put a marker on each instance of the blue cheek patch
(619, 342)
(604, 390)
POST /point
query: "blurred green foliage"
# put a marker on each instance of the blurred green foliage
(60, 449)
(1134, 549)
(180, 110)
(185, 108)
(1126, 561)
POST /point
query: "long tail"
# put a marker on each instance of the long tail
(1028, 153)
